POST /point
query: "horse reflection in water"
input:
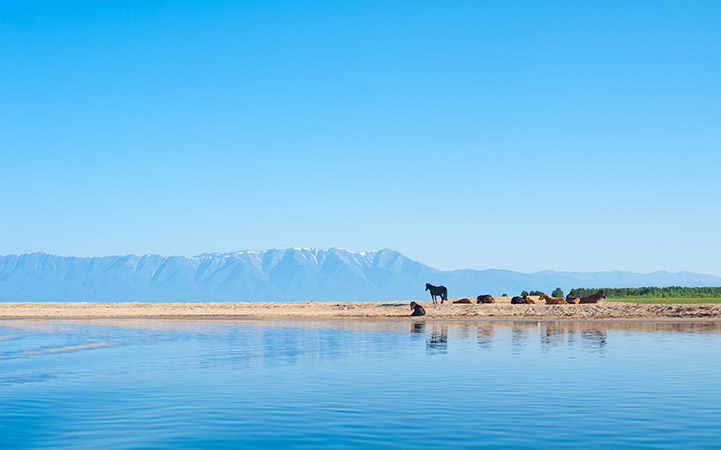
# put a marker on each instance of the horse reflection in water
(543, 336)
(558, 335)
(594, 340)
(437, 342)
(418, 329)
(465, 331)
(484, 335)
(553, 335)
(519, 335)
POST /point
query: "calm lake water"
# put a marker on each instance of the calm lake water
(260, 384)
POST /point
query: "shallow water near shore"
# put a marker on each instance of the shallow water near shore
(129, 383)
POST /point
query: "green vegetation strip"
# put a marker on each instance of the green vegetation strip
(649, 292)
(662, 300)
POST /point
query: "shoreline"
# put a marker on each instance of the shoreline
(368, 311)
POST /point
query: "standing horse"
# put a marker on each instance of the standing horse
(437, 291)
(593, 298)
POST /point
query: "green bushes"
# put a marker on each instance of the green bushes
(524, 293)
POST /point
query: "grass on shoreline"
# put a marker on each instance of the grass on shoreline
(663, 300)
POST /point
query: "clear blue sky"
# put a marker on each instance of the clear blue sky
(468, 134)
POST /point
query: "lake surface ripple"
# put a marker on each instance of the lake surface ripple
(132, 383)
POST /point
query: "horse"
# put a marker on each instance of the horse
(437, 291)
(553, 300)
(522, 300)
(418, 310)
(485, 299)
(465, 301)
(593, 298)
(570, 298)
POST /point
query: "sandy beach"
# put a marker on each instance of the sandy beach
(502, 310)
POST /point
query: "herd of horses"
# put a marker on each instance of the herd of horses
(442, 293)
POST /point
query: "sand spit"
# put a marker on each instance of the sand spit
(364, 310)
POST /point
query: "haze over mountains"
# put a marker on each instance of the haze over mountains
(291, 274)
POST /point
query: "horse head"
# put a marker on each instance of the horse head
(428, 286)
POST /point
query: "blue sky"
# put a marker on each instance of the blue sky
(480, 134)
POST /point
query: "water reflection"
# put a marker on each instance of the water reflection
(519, 335)
(437, 342)
(555, 335)
(549, 335)
(484, 335)
(590, 337)
(261, 342)
(418, 328)
(594, 340)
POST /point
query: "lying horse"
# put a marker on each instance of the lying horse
(570, 298)
(553, 300)
(522, 301)
(418, 310)
(465, 301)
(485, 299)
(437, 291)
(593, 298)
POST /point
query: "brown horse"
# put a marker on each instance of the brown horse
(553, 300)
(570, 298)
(465, 301)
(485, 299)
(593, 298)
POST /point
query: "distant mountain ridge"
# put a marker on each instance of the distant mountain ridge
(290, 274)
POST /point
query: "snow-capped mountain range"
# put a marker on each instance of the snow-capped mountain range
(292, 274)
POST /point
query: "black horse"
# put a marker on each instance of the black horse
(437, 291)
(418, 310)
(521, 300)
